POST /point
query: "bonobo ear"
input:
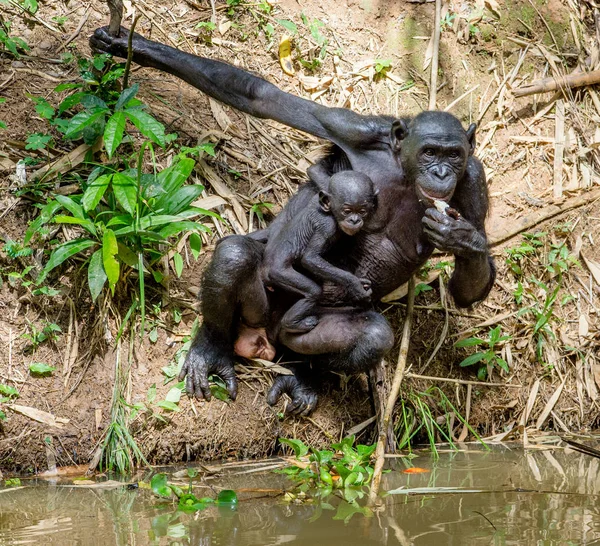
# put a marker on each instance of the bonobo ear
(398, 133)
(471, 136)
(324, 201)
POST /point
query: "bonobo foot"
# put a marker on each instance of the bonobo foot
(304, 397)
(253, 343)
(300, 326)
(208, 356)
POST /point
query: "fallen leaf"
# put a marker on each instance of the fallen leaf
(39, 415)
(285, 55)
(584, 327)
(594, 268)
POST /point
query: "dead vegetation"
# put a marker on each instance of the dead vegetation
(541, 154)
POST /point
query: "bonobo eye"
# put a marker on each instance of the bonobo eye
(454, 155)
(346, 211)
(363, 212)
(429, 152)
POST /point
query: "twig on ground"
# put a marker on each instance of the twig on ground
(559, 147)
(82, 22)
(394, 390)
(571, 81)
(411, 375)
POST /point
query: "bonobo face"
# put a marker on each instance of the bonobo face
(351, 199)
(434, 149)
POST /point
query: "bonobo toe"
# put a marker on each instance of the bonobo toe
(303, 397)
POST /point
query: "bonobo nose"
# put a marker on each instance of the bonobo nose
(442, 172)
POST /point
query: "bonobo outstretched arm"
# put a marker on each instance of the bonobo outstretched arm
(249, 93)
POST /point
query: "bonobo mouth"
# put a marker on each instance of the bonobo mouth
(429, 198)
(350, 231)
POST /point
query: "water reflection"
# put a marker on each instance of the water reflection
(542, 497)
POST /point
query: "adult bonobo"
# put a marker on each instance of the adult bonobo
(412, 162)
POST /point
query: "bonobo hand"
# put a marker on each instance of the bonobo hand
(455, 235)
(205, 358)
(304, 398)
(360, 290)
(102, 42)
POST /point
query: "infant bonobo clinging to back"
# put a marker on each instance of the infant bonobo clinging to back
(343, 209)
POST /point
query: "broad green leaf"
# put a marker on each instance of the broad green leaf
(70, 101)
(472, 359)
(173, 177)
(125, 190)
(178, 263)
(160, 486)
(91, 102)
(62, 253)
(155, 220)
(96, 274)
(110, 249)
(72, 206)
(177, 227)
(126, 96)
(195, 244)
(470, 342)
(40, 368)
(147, 125)
(9, 391)
(227, 496)
(120, 220)
(95, 192)
(175, 202)
(113, 132)
(174, 395)
(503, 364)
(288, 25)
(299, 448)
(169, 406)
(87, 224)
(66, 87)
(82, 120)
(128, 256)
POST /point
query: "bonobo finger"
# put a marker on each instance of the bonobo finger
(274, 393)
(228, 375)
(310, 405)
(295, 407)
(201, 386)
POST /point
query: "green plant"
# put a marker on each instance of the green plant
(40, 369)
(37, 141)
(129, 220)
(487, 358)
(8, 43)
(418, 420)
(382, 66)
(7, 394)
(517, 256)
(50, 331)
(12, 482)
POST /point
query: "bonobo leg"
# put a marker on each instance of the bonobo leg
(297, 318)
(231, 281)
(351, 341)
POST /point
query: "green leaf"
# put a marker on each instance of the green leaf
(227, 496)
(62, 253)
(470, 342)
(41, 369)
(37, 141)
(472, 359)
(125, 190)
(147, 125)
(96, 274)
(288, 25)
(87, 224)
(503, 364)
(299, 448)
(169, 406)
(110, 249)
(45, 216)
(154, 220)
(126, 96)
(177, 201)
(82, 120)
(174, 395)
(71, 205)
(178, 263)
(113, 132)
(70, 101)
(95, 192)
(128, 256)
(177, 227)
(9, 391)
(160, 486)
(195, 244)
(173, 177)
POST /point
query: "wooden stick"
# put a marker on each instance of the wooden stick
(410, 375)
(394, 391)
(571, 81)
(436, 52)
(559, 148)
(116, 15)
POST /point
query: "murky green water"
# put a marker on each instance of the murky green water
(500, 497)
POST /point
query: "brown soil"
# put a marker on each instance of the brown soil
(271, 160)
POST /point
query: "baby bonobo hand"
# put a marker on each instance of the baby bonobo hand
(360, 290)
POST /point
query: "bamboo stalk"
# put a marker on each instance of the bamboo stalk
(394, 391)
(571, 81)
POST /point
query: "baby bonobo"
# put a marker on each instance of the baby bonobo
(348, 203)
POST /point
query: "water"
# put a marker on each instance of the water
(504, 496)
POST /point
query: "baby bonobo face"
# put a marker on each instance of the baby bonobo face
(352, 200)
